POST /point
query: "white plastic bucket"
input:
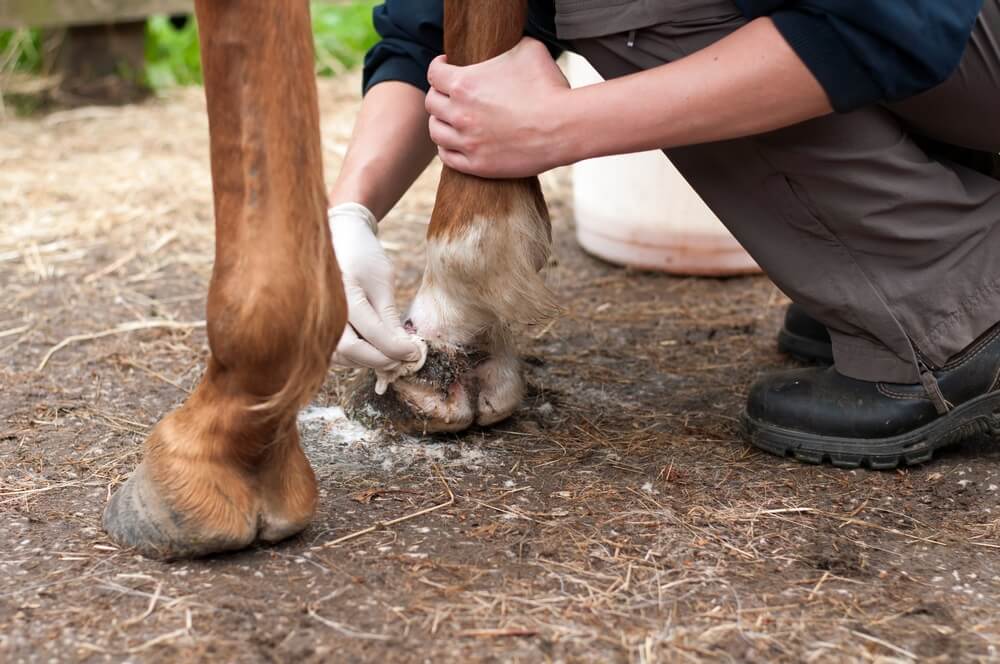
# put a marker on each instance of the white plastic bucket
(638, 210)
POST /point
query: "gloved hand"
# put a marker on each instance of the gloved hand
(374, 337)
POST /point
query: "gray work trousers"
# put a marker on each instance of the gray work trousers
(850, 216)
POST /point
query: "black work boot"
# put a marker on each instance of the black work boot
(818, 415)
(804, 338)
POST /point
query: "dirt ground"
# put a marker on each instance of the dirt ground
(619, 516)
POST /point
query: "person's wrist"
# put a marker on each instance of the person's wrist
(356, 185)
(566, 140)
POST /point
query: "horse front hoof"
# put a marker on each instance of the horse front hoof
(186, 499)
(139, 517)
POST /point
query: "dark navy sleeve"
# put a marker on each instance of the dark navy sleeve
(873, 50)
(412, 35)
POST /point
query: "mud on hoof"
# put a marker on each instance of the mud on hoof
(453, 391)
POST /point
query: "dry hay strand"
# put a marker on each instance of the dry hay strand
(383, 525)
(118, 329)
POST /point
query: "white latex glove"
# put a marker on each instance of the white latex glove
(374, 337)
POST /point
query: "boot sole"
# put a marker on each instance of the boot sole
(978, 416)
(804, 349)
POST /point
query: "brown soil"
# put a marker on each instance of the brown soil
(620, 516)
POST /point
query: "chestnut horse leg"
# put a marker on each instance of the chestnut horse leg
(486, 243)
(226, 468)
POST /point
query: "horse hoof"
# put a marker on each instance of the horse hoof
(139, 517)
(186, 499)
(452, 392)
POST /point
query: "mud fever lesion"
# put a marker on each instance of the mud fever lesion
(456, 388)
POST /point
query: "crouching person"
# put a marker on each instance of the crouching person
(847, 146)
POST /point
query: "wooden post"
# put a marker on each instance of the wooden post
(58, 13)
(99, 64)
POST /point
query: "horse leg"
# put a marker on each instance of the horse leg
(226, 468)
(486, 243)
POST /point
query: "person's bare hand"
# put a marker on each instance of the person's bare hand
(501, 117)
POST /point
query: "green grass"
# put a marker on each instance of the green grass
(172, 56)
(20, 51)
(341, 33)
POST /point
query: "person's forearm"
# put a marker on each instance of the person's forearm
(748, 83)
(389, 149)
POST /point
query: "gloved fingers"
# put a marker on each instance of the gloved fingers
(393, 342)
(355, 353)
(384, 304)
